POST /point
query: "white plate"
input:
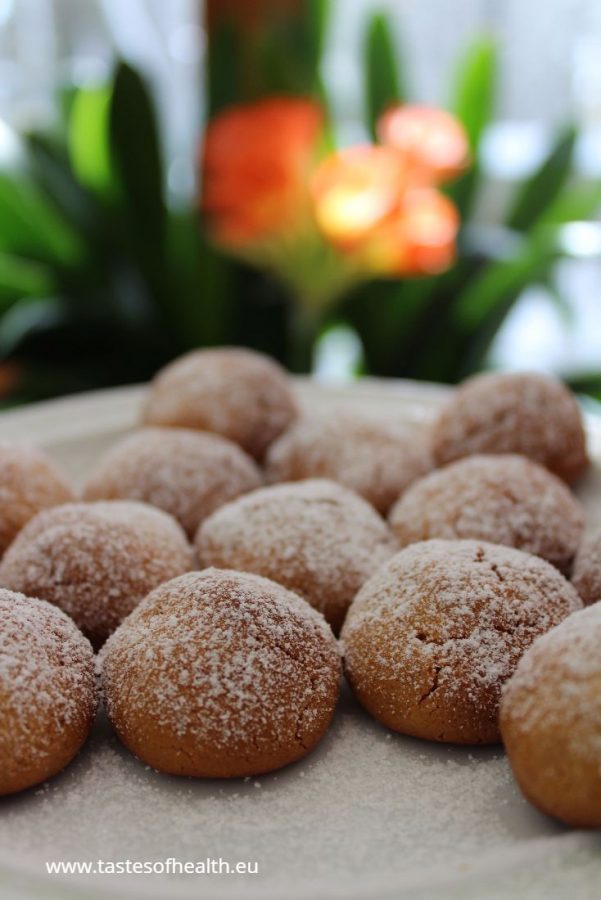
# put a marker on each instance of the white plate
(369, 814)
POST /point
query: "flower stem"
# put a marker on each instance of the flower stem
(304, 322)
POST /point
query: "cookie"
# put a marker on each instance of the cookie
(47, 691)
(503, 499)
(237, 393)
(29, 482)
(188, 474)
(503, 412)
(96, 561)
(431, 639)
(221, 674)
(376, 458)
(315, 537)
(586, 575)
(551, 721)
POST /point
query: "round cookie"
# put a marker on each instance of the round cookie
(432, 637)
(242, 395)
(586, 574)
(185, 473)
(29, 482)
(47, 691)
(315, 537)
(551, 721)
(504, 499)
(96, 561)
(221, 674)
(375, 458)
(527, 413)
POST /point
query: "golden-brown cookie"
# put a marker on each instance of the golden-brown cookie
(503, 412)
(551, 721)
(96, 561)
(315, 537)
(240, 394)
(29, 482)
(47, 691)
(221, 674)
(586, 574)
(432, 637)
(505, 499)
(376, 458)
(188, 474)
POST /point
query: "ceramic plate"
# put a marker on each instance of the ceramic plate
(369, 814)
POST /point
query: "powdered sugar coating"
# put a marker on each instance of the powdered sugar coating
(376, 458)
(503, 412)
(47, 691)
(186, 473)
(586, 575)
(551, 720)
(237, 393)
(430, 640)
(96, 561)
(315, 537)
(504, 499)
(29, 482)
(221, 674)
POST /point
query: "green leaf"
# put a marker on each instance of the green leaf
(473, 101)
(474, 89)
(537, 193)
(505, 280)
(573, 204)
(22, 278)
(383, 84)
(318, 15)
(136, 152)
(30, 226)
(52, 172)
(89, 140)
(222, 67)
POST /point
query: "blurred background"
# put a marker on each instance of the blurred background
(118, 249)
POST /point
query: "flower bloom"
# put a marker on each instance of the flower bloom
(256, 164)
(433, 141)
(369, 203)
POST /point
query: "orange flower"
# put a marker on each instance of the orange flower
(368, 203)
(434, 141)
(257, 160)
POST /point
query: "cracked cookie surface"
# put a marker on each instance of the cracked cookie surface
(433, 636)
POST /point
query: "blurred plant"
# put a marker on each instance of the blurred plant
(101, 280)
(324, 222)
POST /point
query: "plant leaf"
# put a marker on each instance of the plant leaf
(89, 140)
(474, 89)
(505, 279)
(473, 101)
(382, 77)
(137, 159)
(536, 193)
(22, 278)
(30, 226)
